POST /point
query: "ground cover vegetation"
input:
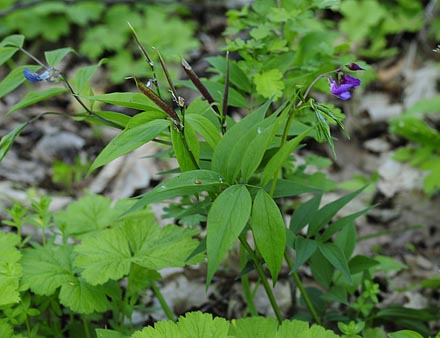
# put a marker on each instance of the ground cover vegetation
(277, 84)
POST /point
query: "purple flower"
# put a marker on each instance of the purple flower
(354, 66)
(35, 77)
(341, 87)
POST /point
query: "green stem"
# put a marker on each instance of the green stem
(246, 286)
(263, 277)
(169, 313)
(86, 326)
(301, 288)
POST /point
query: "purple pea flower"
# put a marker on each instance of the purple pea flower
(354, 66)
(341, 87)
(35, 77)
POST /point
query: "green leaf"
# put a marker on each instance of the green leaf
(227, 218)
(47, 268)
(336, 258)
(88, 214)
(139, 240)
(6, 53)
(341, 223)
(269, 231)
(130, 100)
(84, 298)
(82, 78)
(276, 162)
(361, 263)
(405, 334)
(236, 76)
(54, 57)
(129, 140)
(294, 186)
(104, 333)
(187, 183)
(222, 159)
(14, 79)
(269, 84)
(194, 325)
(254, 327)
(118, 119)
(235, 99)
(257, 146)
(346, 239)
(14, 40)
(183, 156)
(204, 127)
(322, 270)
(34, 97)
(304, 249)
(10, 269)
(326, 213)
(7, 140)
(304, 213)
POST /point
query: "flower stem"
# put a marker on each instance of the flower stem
(301, 288)
(263, 277)
(169, 313)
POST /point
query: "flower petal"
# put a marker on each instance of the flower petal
(31, 76)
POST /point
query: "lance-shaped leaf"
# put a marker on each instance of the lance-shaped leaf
(129, 140)
(227, 218)
(304, 249)
(187, 183)
(336, 257)
(34, 97)
(7, 140)
(54, 57)
(269, 231)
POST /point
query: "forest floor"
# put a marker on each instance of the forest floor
(405, 225)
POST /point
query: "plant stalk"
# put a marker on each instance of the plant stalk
(168, 312)
(246, 286)
(263, 278)
(301, 288)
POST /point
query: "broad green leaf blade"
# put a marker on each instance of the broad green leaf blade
(269, 232)
(336, 258)
(15, 40)
(156, 248)
(84, 298)
(254, 327)
(221, 158)
(288, 188)
(361, 263)
(322, 270)
(14, 79)
(194, 325)
(47, 268)
(117, 119)
(237, 77)
(86, 215)
(186, 183)
(81, 81)
(269, 84)
(304, 213)
(236, 99)
(104, 333)
(104, 256)
(202, 325)
(193, 143)
(183, 156)
(304, 249)
(256, 148)
(130, 100)
(6, 53)
(34, 97)
(7, 140)
(10, 269)
(326, 213)
(276, 162)
(346, 239)
(405, 334)
(204, 127)
(129, 140)
(227, 218)
(54, 57)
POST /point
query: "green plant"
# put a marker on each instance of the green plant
(238, 175)
(422, 151)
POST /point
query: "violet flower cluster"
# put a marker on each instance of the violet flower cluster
(342, 86)
(48, 75)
